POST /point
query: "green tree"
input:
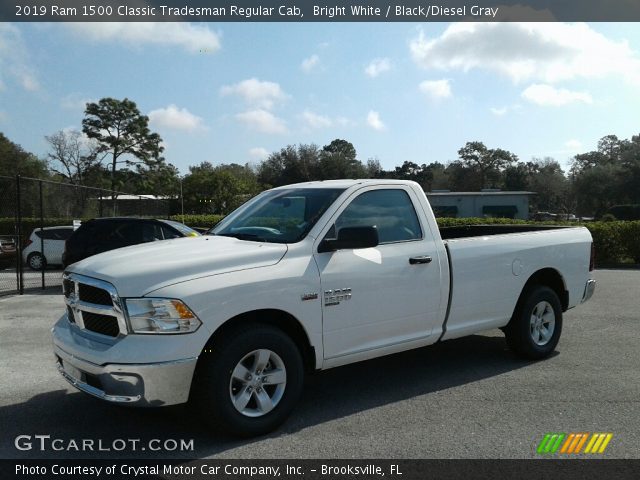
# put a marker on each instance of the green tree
(14, 160)
(219, 189)
(487, 164)
(461, 178)
(607, 176)
(123, 132)
(338, 160)
(517, 177)
(630, 161)
(548, 181)
(374, 169)
(304, 163)
(422, 174)
(341, 147)
(162, 179)
(290, 165)
(595, 189)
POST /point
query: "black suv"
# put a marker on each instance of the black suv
(104, 234)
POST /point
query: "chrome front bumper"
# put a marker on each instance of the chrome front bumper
(145, 385)
(589, 288)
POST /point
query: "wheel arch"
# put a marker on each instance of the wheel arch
(280, 319)
(546, 277)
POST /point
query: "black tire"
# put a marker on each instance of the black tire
(214, 383)
(34, 259)
(529, 333)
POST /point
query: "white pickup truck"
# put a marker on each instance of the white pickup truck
(302, 278)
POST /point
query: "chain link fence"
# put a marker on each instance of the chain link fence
(36, 217)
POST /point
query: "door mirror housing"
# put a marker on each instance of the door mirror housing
(351, 237)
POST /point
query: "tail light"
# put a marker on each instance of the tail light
(592, 260)
(29, 242)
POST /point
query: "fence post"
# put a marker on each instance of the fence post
(18, 228)
(42, 264)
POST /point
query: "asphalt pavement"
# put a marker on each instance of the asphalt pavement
(466, 398)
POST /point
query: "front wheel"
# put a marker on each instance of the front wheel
(250, 382)
(534, 329)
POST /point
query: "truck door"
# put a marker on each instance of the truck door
(379, 297)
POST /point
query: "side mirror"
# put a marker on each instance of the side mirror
(351, 237)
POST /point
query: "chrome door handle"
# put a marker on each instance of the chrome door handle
(420, 260)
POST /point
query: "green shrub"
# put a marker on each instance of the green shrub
(200, 221)
(607, 241)
(630, 239)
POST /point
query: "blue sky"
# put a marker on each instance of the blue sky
(233, 92)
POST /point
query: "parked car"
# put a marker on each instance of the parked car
(45, 246)
(104, 234)
(7, 252)
(301, 278)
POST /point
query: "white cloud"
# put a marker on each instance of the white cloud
(256, 93)
(262, 121)
(374, 121)
(436, 89)
(308, 64)
(573, 145)
(175, 118)
(499, 112)
(75, 101)
(14, 60)
(344, 122)
(26, 78)
(542, 51)
(190, 37)
(548, 96)
(313, 120)
(258, 153)
(377, 66)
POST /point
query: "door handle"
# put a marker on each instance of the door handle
(420, 260)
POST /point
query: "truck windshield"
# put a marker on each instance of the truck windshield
(279, 216)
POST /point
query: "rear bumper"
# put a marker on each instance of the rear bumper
(145, 385)
(589, 289)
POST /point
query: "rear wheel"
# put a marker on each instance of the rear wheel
(250, 382)
(36, 261)
(534, 329)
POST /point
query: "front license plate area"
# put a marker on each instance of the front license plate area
(72, 371)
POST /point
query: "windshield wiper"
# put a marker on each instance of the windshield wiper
(242, 236)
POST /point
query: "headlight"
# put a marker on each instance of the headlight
(161, 315)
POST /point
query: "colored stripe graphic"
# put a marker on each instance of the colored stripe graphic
(551, 442)
(572, 443)
(598, 443)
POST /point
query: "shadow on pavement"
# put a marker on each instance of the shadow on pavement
(327, 396)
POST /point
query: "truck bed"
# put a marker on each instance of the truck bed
(489, 265)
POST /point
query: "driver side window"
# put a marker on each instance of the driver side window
(390, 211)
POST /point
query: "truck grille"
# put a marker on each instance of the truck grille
(93, 305)
(104, 324)
(91, 294)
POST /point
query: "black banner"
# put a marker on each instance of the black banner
(320, 469)
(318, 10)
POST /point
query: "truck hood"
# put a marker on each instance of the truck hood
(140, 269)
